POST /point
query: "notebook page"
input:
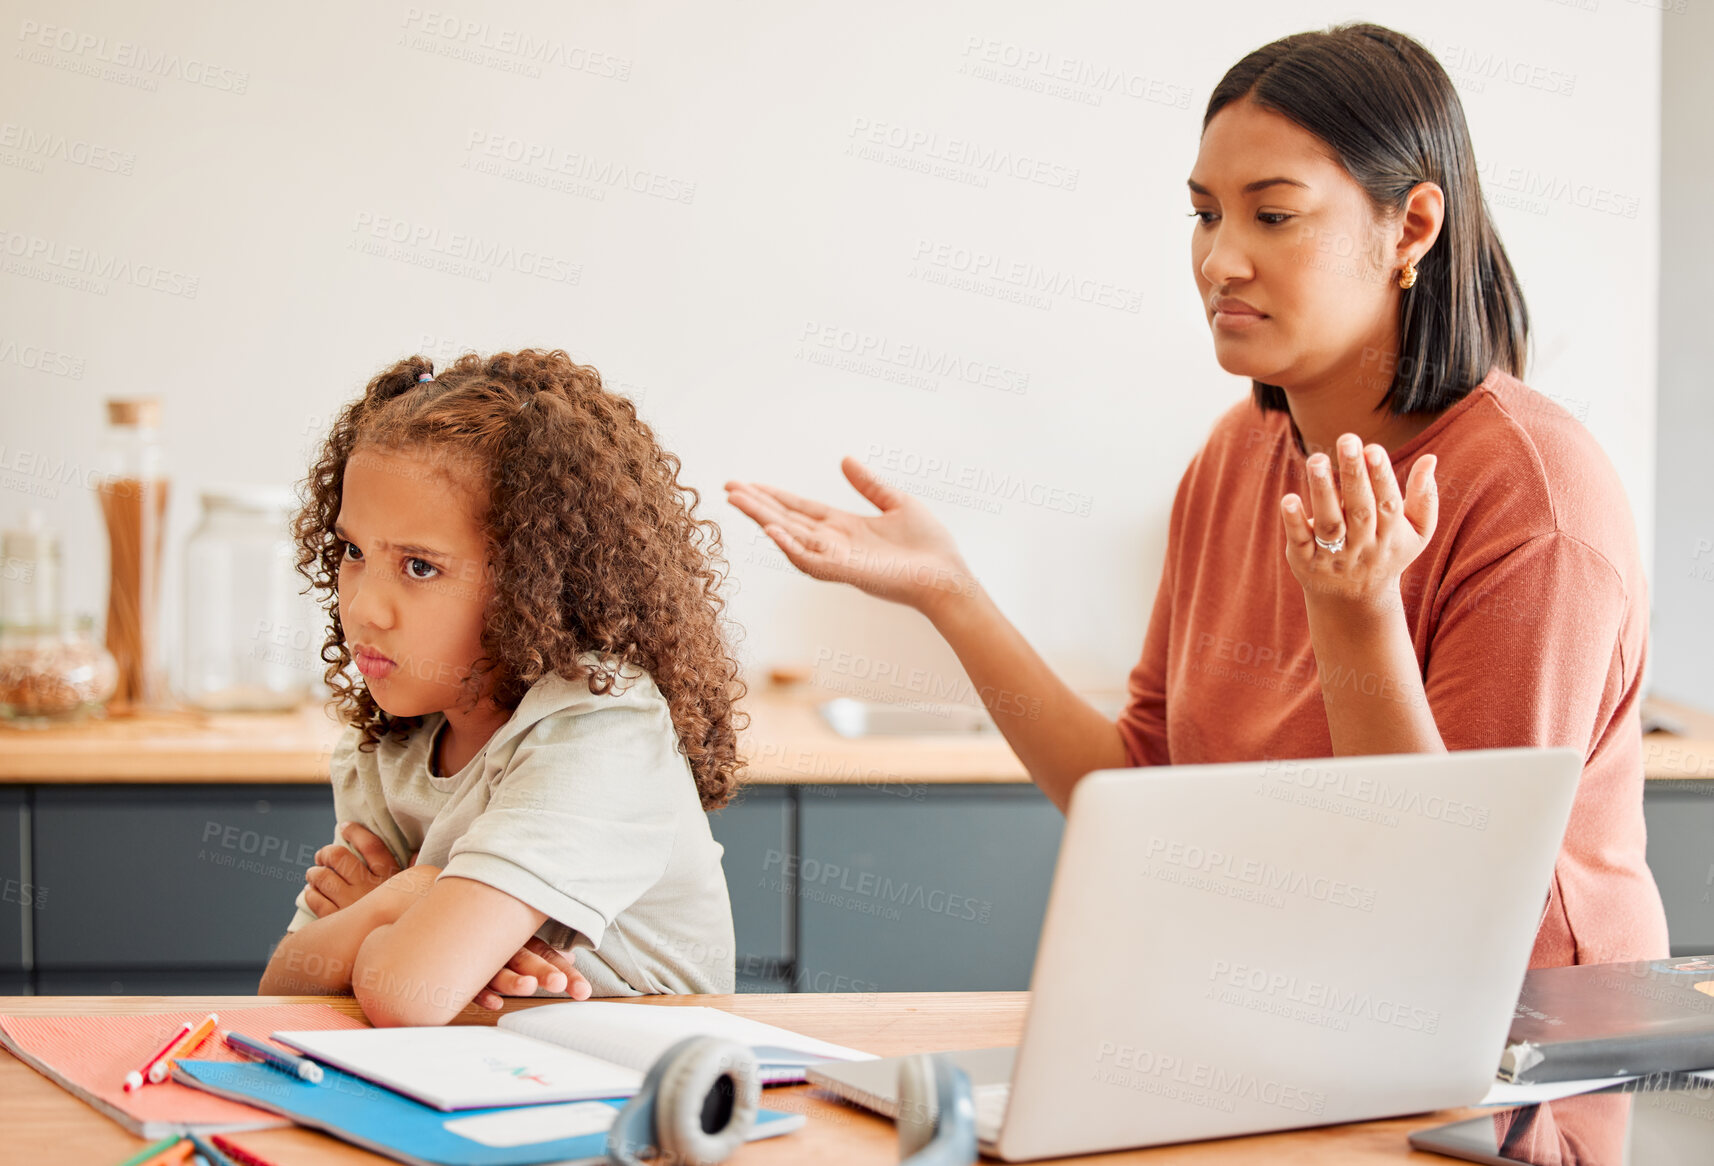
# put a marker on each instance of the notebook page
(636, 1035)
(467, 1066)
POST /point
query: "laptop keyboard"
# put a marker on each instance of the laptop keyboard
(990, 1109)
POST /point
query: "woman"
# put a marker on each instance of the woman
(1309, 606)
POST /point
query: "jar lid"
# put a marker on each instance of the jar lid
(268, 499)
(140, 412)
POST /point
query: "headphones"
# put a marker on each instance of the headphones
(937, 1114)
(698, 1102)
(696, 1105)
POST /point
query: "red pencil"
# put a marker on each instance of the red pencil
(134, 1079)
(237, 1153)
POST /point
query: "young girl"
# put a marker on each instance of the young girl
(546, 709)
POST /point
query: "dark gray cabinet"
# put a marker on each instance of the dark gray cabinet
(185, 877)
(1680, 816)
(183, 889)
(144, 982)
(756, 830)
(180, 889)
(18, 897)
(915, 888)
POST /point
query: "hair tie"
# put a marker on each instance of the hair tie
(424, 376)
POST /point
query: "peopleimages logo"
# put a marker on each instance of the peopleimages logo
(1264, 876)
(1027, 278)
(37, 144)
(457, 252)
(522, 45)
(600, 173)
(1206, 1085)
(912, 356)
(896, 144)
(87, 268)
(154, 63)
(1317, 995)
(1058, 75)
(1369, 791)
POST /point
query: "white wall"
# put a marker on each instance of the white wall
(1684, 524)
(355, 117)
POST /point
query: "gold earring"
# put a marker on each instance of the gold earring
(1407, 277)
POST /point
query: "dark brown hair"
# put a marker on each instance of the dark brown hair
(591, 542)
(1388, 111)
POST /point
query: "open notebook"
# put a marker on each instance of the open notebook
(554, 1052)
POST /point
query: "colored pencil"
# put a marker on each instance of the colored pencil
(161, 1068)
(135, 1078)
(258, 1051)
(238, 1153)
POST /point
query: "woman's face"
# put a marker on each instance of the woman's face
(1286, 243)
(413, 582)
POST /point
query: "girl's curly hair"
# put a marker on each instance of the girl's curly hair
(590, 537)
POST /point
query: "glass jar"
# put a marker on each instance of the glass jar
(252, 636)
(51, 670)
(133, 491)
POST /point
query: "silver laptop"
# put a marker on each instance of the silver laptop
(1231, 949)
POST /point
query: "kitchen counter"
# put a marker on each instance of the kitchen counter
(786, 743)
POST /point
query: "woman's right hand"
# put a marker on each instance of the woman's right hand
(902, 554)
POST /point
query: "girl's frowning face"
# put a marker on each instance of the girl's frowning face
(413, 577)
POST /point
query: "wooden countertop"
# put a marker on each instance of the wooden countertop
(786, 743)
(43, 1123)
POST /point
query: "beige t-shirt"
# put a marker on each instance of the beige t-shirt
(581, 806)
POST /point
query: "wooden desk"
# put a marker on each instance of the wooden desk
(41, 1123)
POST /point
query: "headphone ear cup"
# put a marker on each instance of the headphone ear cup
(919, 1104)
(709, 1095)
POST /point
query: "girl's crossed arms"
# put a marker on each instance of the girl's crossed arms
(342, 877)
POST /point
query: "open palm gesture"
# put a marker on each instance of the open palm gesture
(902, 554)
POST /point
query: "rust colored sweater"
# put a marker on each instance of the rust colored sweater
(1527, 610)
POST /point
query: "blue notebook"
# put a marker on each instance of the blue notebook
(387, 1123)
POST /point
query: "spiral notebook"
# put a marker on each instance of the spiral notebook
(88, 1056)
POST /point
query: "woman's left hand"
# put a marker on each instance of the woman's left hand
(1383, 532)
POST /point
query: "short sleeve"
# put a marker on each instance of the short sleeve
(304, 915)
(352, 802)
(1142, 723)
(1527, 648)
(582, 822)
